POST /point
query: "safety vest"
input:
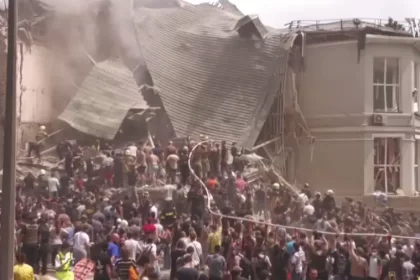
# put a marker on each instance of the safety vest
(65, 272)
(68, 264)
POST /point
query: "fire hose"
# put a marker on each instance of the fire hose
(277, 225)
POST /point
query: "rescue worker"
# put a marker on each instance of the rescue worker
(36, 145)
(30, 242)
(168, 213)
(64, 263)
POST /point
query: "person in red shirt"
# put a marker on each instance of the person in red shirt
(149, 228)
(240, 183)
(212, 183)
(79, 183)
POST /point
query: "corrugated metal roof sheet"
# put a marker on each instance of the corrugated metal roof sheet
(211, 81)
(103, 100)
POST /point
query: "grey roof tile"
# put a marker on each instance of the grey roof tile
(210, 80)
(103, 100)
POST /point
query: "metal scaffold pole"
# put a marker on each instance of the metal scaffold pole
(7, 234)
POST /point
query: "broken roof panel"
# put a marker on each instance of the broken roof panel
(211, 81)
(103, 100)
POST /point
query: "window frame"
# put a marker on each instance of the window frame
(396, 87)
(385, 165)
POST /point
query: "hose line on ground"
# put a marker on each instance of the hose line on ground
(276, 225)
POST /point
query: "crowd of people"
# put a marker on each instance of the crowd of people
(98, 208)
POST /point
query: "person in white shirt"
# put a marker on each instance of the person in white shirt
(154, 210)
(81, 244)
(53, 185)
(297, 262)
(198, 250)
(308, 209)
(133, 246)
(133, 150)
(150, 250)
(374, 265)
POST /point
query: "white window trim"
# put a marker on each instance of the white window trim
(384, 85)
(384, 166)
(387, 85)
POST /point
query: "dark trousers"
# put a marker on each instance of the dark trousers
(31, 251)
(185, 173)
(54, 251)
(34, 147)
(44, 251)
(215, 278)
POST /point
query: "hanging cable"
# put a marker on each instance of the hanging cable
(276, 225)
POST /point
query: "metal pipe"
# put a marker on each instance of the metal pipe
(7, 233)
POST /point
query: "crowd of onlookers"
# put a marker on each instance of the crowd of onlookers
(95, 209)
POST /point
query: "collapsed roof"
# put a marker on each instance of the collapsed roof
(103, 100)
(211, 80)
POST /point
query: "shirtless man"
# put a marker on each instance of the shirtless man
(172, 168)
(153, 166)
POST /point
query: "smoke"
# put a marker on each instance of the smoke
(122, 20)
(77, 31)
(74, 32)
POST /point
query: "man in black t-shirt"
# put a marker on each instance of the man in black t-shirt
(44, 248)
(187, 272)
(102, 262)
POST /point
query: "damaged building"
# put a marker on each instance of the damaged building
(354, 122)
(331, 104)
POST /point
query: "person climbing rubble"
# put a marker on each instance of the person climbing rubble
(36, 145)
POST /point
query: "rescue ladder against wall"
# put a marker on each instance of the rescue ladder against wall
(274, 225)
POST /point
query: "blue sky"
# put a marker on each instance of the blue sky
(278, 12)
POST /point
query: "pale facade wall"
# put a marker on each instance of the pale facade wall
(34, 89)
(336, 97)
(331, 75)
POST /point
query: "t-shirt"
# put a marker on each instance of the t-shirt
(290, 248)
(23, 272)
(113, 250)
(122, 268)
(198, 251)
(217, 264)
(53, 184)
(101, 262)
(215, 238)
(187, 273)
(81, 240)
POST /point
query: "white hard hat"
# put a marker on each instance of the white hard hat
(42, 127)
(127, 152)
(42, 172)
(330, 192)
(276, 185)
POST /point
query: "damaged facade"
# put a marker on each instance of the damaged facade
(358, 131)
(330, 105)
